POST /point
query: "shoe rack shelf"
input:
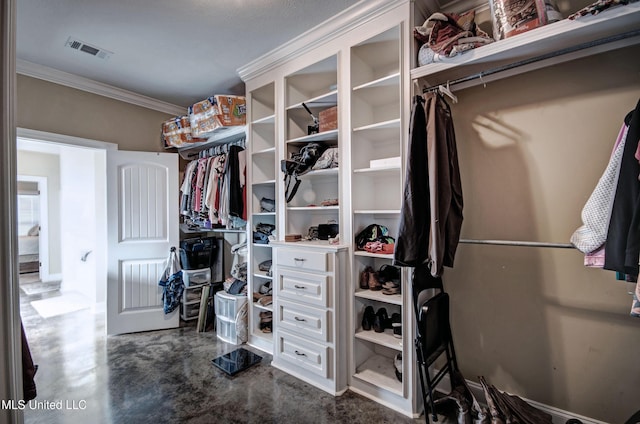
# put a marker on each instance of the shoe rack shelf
(385, 338)
(378, 296)
(375, 371)
(377, 97)
(263, 173)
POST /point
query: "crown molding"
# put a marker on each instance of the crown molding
(323, 33)
(55, 76)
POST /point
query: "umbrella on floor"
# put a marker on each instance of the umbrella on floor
(510, 409)
(171, 282)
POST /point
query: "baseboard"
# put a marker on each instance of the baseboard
(46, 278)
(559, 416)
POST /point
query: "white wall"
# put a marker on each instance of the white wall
(82, 186)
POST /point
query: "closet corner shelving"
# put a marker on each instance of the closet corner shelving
(262, 177)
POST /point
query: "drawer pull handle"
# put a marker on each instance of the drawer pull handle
(299, 287)
(299, 319)
(299, 259)
(299, 353)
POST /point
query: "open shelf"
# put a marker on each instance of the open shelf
(322, 101)
(555, 37)
(271, 119)
(378, 370)
(378, 296)
(313, 208)
(385, 338)
(323, 136)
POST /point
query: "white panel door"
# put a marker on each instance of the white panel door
(142, 211)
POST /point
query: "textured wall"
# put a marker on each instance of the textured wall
(54, 108)
(535, 321)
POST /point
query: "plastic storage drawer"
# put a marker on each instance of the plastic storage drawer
(227, 305)
(194, 277)
(226, 331)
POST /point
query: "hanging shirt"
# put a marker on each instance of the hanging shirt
(597, 210)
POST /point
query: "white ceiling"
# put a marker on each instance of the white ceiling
(177, 51)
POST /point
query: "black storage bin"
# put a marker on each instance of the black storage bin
(203, 252)
(198, 253)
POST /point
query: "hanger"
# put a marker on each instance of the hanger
(447, 92)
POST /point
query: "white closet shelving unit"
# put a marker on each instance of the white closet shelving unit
(262, 178)
(316, 86)
(361, 61)
(377, 134)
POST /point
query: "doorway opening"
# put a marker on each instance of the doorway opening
(61, 198)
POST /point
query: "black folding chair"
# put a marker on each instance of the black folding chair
(433, 336)
(635, 419)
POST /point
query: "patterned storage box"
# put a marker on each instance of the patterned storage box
(215, 112)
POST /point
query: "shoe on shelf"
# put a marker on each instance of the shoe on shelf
(265, 288)
(381, 321)
(389, 273)
(397, 330)
(391, 290)
(364, 277)
(397, 364)
(374, 283)
(368, 318)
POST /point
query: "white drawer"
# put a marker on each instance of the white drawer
(303, 287)
(310, 356)
(305, 321)
(193, 277)
(302, 259)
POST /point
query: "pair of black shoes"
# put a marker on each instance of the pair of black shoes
(379, 321)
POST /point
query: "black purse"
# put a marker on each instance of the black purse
(328, 230)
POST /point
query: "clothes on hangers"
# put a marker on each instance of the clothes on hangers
(597, 211)
(622, 248)
(214, 186)
(431, 216)
(610, 234)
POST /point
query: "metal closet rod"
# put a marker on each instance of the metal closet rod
(557, 53)
(519, 243)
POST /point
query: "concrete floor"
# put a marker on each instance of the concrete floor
(167, 377)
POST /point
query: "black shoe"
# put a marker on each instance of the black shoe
(381, 321)
(397, 365)
(368, 318)
(396, 325)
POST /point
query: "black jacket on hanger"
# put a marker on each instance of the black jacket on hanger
(622, 248)
(431, 215)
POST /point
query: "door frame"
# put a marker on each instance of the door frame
(62, 140)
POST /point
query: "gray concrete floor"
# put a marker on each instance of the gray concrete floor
(167, 377)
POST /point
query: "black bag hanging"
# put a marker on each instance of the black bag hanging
(299, 164)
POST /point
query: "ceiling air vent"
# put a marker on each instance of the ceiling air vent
(76, 44)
